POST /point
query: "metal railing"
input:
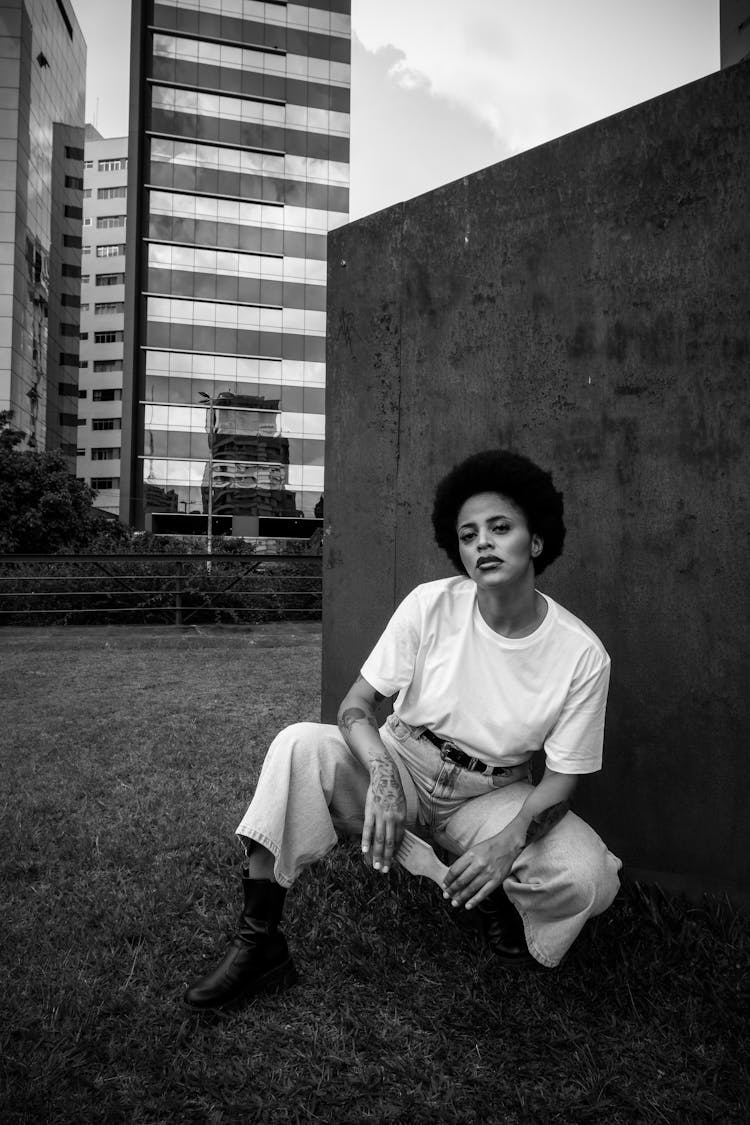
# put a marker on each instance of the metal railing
(179, 589)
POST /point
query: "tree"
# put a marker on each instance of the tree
(43, 508)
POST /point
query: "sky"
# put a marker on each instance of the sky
(442, 88)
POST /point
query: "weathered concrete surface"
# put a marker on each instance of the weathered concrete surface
(363, 365)
(587, 304)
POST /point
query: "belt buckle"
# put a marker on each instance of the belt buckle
(446, 748)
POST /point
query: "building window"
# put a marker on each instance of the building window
(109, 337)
(73, 153)
(110, 251)
(103, 483)
(85, 279)
(70, 271)
(106, 423)
(68, 27)
(85, 250)
(68, 359)
(87, 221)
(83, 336)
(107, 394)
(67, 419)
(107, 365)
(107, 308)
(88, 163)
(81, 421)
(72, 240)
(110, 279)
(119, 192)
(82, 392)
(70, 389)
(99, 453)
(72, 212)
(80, 452)
(107, 222)
(117, 165)
(74, 182)
(84, 363)
(87, 193)
(71, 299)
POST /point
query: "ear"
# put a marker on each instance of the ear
(537, 546)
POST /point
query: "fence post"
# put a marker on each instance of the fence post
(178, 601)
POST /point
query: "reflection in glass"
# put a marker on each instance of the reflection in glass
(217, 54)
(215, 209)
(177, 100)
(197, 155)
(236, 437)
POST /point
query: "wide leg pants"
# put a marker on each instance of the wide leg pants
(312, 788)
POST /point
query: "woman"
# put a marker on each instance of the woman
(486, 671)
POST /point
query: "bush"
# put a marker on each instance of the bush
(44, 509)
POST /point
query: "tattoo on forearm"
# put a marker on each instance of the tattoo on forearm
(386, 785)
(353, 715)
(545, 820)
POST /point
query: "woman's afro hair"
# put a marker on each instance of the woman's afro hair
(512, 475)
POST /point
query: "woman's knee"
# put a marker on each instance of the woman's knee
(296, 735)
(589, 875)
(307, 746)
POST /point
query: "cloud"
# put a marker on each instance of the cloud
(530, 70)
(406, 139)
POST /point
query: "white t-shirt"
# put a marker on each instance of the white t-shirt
(497, 698)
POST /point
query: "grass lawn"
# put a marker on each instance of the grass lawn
(127, 758)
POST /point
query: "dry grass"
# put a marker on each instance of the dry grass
(127, 759)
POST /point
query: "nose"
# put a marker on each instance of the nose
(483, 538)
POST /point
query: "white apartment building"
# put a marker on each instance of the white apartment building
(102, 316)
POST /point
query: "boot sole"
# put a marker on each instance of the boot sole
(271, 983)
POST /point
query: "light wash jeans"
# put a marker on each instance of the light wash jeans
(311, 788)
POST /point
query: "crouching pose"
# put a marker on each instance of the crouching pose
(486, 670)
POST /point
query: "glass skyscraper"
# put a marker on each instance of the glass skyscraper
(239, 166)
(42, 98)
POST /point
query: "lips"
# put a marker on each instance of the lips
(488, 560)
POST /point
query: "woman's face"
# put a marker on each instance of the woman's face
(494, 541)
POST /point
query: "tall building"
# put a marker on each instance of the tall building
(239, 166)
(42, 93)
(102, 316)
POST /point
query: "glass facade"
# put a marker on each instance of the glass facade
(242, 142)
(42, 95)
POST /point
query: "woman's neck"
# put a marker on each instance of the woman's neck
(512, 613)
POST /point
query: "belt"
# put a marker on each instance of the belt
(453, 754)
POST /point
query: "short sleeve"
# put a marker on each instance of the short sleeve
(390, 666)
(575, 743)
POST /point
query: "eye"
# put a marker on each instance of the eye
(466, 536)
(501, 527)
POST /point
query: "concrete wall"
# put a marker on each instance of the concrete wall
(585, 303)
(734, 39)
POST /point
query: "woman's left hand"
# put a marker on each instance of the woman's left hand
(482, 868)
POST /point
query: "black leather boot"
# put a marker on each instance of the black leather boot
(503, 930)
(257, 960)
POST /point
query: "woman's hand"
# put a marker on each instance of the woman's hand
(385, 814)
(483, 867)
